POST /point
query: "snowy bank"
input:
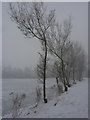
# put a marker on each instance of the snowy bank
(71, 104)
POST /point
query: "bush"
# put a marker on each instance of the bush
(17, 100)
(60, 89)
(38, 94)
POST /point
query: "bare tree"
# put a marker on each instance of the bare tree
(38, 94)
(33, 21)
(59, 45)
(70, 65)
(58, 75)
(81, 65)
(76, 49)
(56, 70)
(76, 61)
(40, 69)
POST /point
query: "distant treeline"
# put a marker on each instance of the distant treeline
(9, 72)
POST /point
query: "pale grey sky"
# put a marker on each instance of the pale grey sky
(21, 52)
(0, 34)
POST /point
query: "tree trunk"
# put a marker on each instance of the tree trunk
(68, 79)
(73, 75)
(66, 89)
(44, 77)
(57, 80)
(74, 81)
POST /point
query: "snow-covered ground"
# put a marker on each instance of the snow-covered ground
(71, 104)
(27, 86)
(0, 98)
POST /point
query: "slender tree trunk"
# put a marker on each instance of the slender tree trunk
(57, 80)
(68, 80)
(44, 77)
(73, 75)
(74, 82)
(64, 77)
(80, 75)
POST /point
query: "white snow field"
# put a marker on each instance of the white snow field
(27, 86)
(0, 98)
(71, 104)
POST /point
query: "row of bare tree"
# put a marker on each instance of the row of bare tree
(34, 21)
